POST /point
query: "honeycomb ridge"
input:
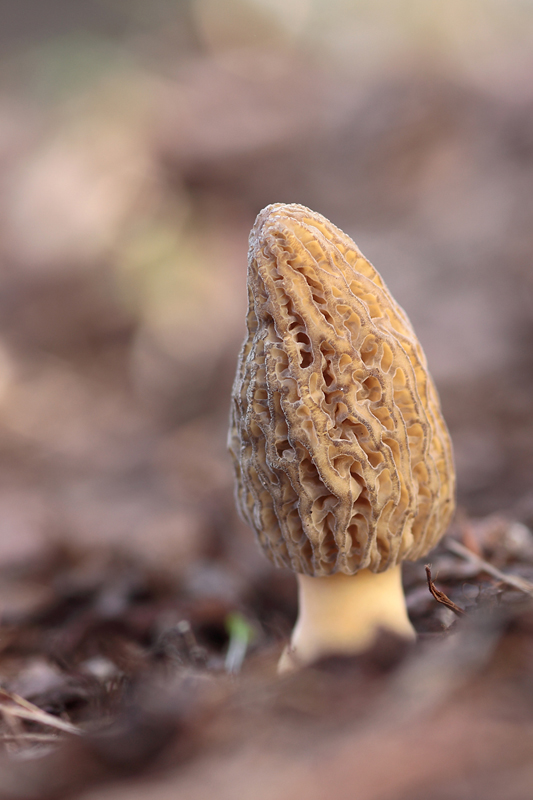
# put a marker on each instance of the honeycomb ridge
(342, 457)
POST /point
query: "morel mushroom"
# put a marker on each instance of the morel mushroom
(343, 461)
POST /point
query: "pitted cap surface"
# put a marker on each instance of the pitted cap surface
(343, 460)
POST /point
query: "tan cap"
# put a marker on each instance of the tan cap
(342, 457)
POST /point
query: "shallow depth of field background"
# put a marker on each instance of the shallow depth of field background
(138, 142)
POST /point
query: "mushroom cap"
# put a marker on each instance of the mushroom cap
(343, 460)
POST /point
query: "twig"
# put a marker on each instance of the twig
(440, 597)
(29, 737)
(484, 566)
(19, 707)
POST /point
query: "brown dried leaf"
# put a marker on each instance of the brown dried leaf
(440, 597)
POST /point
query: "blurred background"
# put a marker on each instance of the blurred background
(138, 141)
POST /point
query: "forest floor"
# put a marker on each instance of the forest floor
(120, 682)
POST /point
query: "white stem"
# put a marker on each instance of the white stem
(343, 614)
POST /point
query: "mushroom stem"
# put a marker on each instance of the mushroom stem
(343, 614)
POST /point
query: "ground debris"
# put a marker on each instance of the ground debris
(440, 597)
(145, 691)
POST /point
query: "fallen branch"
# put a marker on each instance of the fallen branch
(484, 566)
(440, 597)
